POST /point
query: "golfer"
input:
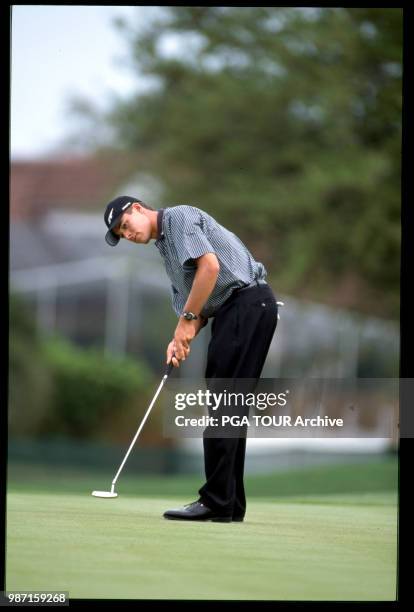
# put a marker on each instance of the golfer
(213, 276)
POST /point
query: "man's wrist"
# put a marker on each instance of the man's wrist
(188, 315)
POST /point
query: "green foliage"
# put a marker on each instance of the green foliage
(285, 124)
(377, 359)
(58, 388)
(30, 383)
(92, 390)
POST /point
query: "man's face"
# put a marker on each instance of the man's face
(134, 225)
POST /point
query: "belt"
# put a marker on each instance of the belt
(255, 283)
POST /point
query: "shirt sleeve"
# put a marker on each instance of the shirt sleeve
(189, 232)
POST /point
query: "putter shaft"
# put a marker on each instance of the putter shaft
(167, 373)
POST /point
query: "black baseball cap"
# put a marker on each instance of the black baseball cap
(113, 212)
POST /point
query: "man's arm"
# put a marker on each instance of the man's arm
(205, 279)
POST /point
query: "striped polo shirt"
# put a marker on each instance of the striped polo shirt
(185, 233)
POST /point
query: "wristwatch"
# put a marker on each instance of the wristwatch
(189, 316)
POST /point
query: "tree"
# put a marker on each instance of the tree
(285, 124)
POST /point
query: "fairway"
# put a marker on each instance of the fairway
(320, 547)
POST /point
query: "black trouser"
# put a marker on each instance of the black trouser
(242, 331)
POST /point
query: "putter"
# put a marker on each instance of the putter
(111, 493)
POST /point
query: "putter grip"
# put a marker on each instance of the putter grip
(169, 368)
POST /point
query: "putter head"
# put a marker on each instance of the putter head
(104, 494)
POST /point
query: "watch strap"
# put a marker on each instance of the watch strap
(186, 314)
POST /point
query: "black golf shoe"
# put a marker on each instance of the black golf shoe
(237, 519)
(196, 511)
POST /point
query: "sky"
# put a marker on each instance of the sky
(56, 52)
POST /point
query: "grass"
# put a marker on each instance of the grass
(334, 547)
(362, 478)
(325, 533)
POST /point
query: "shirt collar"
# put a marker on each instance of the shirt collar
(159, 224)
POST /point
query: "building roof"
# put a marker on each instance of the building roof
(76, 183)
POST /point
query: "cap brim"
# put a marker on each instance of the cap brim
(111, 238)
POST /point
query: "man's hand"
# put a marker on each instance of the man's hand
(188, 329)
(180, 344)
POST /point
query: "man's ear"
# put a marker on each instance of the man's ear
(137, 206)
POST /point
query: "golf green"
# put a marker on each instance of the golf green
(320, 547)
